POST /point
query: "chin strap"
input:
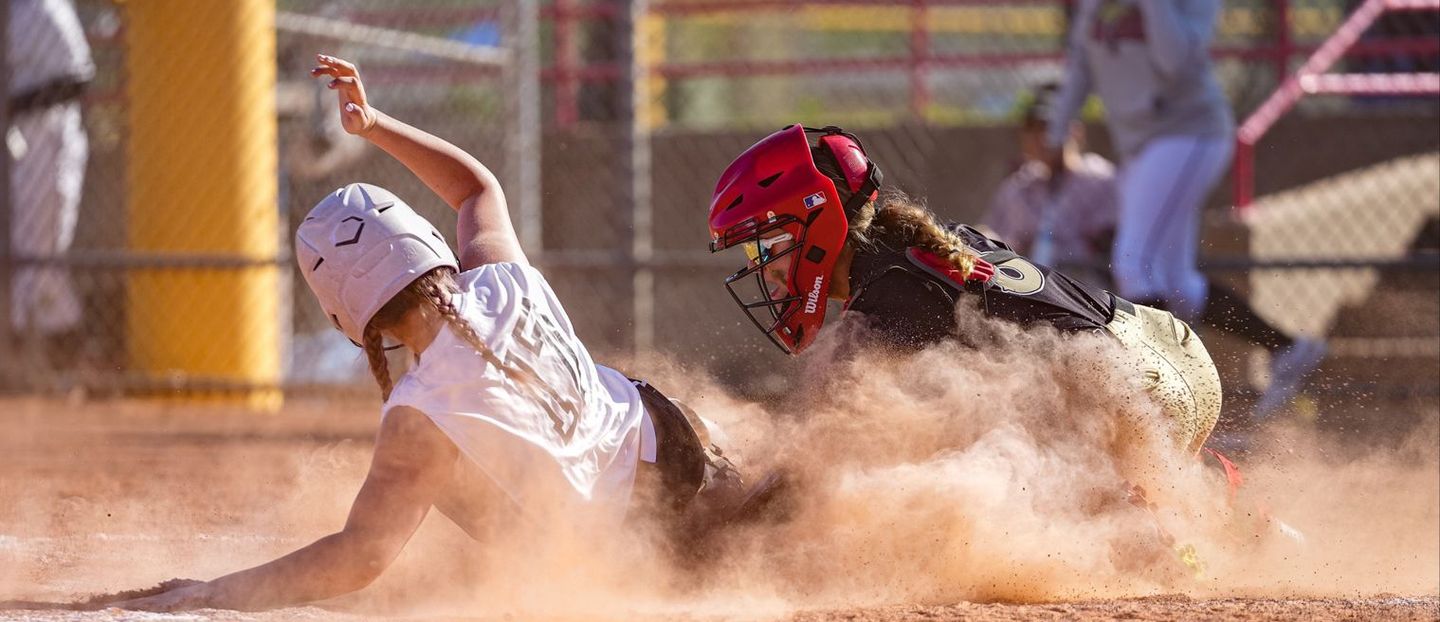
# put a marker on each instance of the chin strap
(385, 348)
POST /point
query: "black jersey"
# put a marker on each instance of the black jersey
(911, 306)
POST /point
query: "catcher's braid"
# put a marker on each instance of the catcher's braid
(897, 221)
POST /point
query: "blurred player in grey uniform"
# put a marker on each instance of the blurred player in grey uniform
(1149, 62)
(49, 64)
(1059, 213)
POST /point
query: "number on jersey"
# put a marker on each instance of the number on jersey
(536, 336)
(1016, 274)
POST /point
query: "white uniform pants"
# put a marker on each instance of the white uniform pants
(1162, 190)
(45, 185)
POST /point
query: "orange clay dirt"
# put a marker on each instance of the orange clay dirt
(114, 495)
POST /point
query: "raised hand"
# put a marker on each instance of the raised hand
(356, 115)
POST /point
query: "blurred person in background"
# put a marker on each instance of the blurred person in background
(1149, 62)
(1059, 213)
(50, 66)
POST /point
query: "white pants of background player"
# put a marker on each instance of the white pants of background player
(46, 176)
(1162, 190)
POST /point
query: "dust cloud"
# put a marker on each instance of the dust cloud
(997, 474)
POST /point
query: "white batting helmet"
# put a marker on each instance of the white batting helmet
(359, 247)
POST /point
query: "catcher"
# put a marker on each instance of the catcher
(503, 417)
(805, 206)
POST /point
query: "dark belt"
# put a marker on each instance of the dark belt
(679, 456)
(1122, 304)
(52, 93)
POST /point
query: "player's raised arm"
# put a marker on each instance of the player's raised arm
(485, 234)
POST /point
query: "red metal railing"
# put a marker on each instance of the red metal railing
(567, 70)
(1311, 79)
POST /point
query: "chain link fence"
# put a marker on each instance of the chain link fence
(609, 131)
(125, 274)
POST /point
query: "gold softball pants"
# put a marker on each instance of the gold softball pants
(1175, 368)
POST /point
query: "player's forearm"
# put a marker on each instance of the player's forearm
(449, 172)
(334, 565)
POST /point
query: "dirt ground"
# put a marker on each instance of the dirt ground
(105, 496)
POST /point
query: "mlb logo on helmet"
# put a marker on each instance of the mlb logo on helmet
(814, 200)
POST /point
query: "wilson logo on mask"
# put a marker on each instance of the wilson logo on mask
(812, 299)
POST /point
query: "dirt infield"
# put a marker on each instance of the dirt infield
(1388, 608)
(109, 496)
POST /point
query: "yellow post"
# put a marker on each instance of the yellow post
(653, 111)
(202, 182)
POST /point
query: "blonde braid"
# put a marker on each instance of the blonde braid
(445, 306)
(895, 221)
(375, 354)
(435, 289)
(421, 291)
(898, 222)
(440, 297)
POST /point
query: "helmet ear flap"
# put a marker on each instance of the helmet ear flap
(862, 176)
(851, 157)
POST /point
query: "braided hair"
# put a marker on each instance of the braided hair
(430, 291)
(895, 221)
(433, 291)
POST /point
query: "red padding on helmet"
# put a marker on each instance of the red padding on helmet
(851, 158)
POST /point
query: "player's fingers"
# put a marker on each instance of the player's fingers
(348, 82)
(343, 66)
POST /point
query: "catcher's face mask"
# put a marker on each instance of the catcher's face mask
(791, 221)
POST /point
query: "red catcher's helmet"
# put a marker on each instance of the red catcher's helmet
(775, 189)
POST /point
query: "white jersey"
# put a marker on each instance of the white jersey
(1149, 61)
(46, 42)
(568, 446)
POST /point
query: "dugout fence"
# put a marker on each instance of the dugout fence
(608, 122)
